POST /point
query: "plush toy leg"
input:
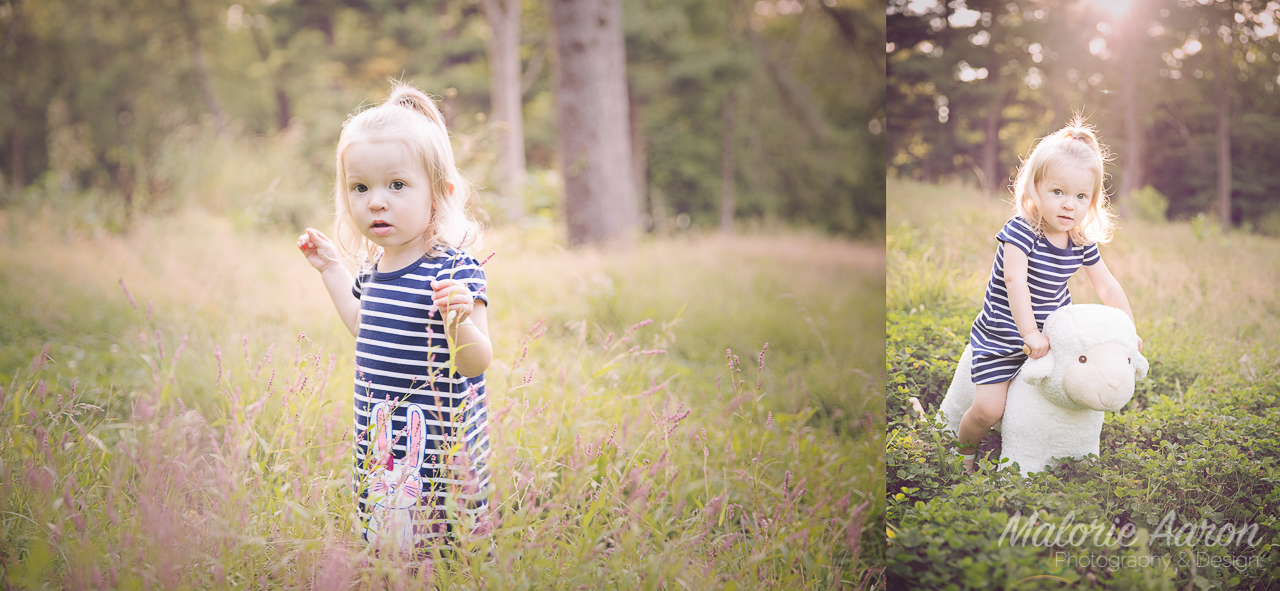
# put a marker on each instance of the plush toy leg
(959, 395)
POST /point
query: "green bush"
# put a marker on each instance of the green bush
(1148, 204)
(1196, 447)
(921, 351)
(1203, 447)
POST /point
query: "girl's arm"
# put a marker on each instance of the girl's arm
(323, 255)
(467, 329)
(1015, 283)
(1109, 290)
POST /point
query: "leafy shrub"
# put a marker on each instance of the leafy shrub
(1196, 446)
(922, 347)
(1202, 447)
(1148, 204)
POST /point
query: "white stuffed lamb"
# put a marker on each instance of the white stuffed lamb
(1055, 404)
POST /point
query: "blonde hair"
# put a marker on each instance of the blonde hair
(1076, 144)
(408, 116)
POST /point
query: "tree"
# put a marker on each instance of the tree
(728, 168)
(505, 91)
(591, 114)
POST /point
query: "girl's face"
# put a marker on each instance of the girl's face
(1064, 195)
(390, 198)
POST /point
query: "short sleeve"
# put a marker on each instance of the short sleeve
(468, 270)
(1091, 255)
(1018, 233)
(361, 278)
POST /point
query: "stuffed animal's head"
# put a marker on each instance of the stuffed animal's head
(1093, 359)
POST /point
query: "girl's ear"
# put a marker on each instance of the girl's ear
(449, 186)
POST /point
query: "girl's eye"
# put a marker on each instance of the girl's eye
(360, 188)
(1082, 197)
(1057, 191)
(397, 185)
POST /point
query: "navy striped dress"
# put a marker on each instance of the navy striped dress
(406, 399)
(997, 344)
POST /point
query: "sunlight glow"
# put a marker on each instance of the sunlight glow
(1114, 7)
(964, 17)
(1098, 47)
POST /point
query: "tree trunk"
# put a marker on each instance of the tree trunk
(796, 96)
(639, 164)
(728, 160)
(1222, 99)
(991, 143)
(283, 114)
(505, 90)
(201, 68)
(282, 98)
(17, 143)
(1131, 161)
(591, 114)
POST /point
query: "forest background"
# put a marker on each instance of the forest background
(126, 106)
(1183, 91)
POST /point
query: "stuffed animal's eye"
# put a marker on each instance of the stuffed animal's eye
(1083, 359)
(1129, 361)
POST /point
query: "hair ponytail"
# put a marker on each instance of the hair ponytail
(1081, 131)
(415, 100)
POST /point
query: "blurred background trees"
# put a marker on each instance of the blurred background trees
(117, 108)
(1183, 91)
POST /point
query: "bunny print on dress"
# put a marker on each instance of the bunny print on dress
(395, 486)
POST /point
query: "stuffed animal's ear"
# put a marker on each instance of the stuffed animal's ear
(1140, 367)
(1036, 371)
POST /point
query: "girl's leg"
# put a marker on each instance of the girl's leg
(988, 407)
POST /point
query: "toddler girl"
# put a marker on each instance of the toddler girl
(417, 308)
(1060, 217)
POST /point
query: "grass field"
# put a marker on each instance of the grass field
(176, 404)
(1198, 438)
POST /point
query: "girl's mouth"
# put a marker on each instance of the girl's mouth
(380, 228)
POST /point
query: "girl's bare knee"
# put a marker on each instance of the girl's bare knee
(986, 415)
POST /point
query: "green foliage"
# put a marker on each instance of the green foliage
(101, 93)
(1197, 440)
(1148, 204)
(921, 351)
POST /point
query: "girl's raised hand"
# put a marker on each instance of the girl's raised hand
(319, 250)
(452, 295)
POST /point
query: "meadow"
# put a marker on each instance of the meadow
(696, 411)
(1198, 439)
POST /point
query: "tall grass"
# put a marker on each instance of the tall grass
(177, 410)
